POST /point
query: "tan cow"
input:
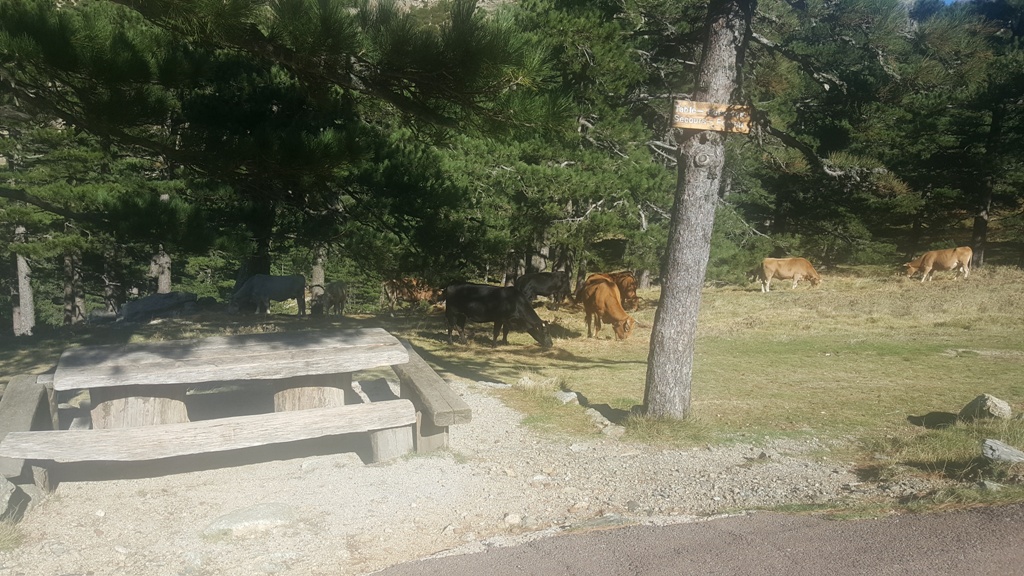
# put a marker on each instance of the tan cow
(334, 298)
(784, 269)
(602, 303)
(955, 259)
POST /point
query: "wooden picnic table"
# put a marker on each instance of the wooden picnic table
(138, 397)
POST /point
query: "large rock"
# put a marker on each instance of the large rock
(6, 491)
(985, 406)
(158, 306)
(13, 500)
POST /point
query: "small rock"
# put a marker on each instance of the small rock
(513, 519)
(249, 520)
(613, 431)
(567, 397)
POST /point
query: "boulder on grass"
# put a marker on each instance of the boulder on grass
(985, 406)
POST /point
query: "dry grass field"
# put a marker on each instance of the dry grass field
(857, 360)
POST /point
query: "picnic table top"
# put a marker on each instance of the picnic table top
(268, 356)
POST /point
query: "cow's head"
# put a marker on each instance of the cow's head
(815, 280)
(911, 269)
(625, 328)
(540, 333)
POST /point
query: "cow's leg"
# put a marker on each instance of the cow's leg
(926, 274)
(300, 300)
(796, 278)
(597, 324)
(590, 317)
(497, 329)
(462, 330)
(449, 325)
(504, 331)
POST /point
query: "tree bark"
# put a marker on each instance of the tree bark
(979, 234)
(160, 268)
(74, 302)
(317, 281)
(701, 159)
(24, 312)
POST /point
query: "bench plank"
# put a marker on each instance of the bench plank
(439, 401)
(168, 440)
(223, 358)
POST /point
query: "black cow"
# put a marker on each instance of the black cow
(485, 303)
(554, 285)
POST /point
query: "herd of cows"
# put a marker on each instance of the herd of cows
(605, 297)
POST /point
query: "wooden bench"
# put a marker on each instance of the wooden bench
(139, 411)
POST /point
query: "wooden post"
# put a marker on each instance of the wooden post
(390, 443)
(127, 406)
(313, 391)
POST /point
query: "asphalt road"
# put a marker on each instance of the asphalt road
(978, 542)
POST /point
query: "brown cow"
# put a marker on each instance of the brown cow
(784, 269)
(955, 259)
(603, 303)
(624, 281)
(627, 289)
(411, 290)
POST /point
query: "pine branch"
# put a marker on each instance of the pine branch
(20, 195)
(823, 78)
(351, 72)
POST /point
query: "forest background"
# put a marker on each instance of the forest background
(367, 141)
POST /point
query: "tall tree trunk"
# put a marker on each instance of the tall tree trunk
(701, 159)
(113, 287)
(979, 235)
(317, 281)
(160, 268)
(24, 312)
(74, 302)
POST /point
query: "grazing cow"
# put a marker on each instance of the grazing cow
(334, 298)
(259, 289)
(554, 285)
(784, 269)
(627, 289)
(411, 290)
(603, 303)
(624, 281)
(485, 303)
(955, 259)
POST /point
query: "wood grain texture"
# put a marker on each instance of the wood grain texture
(169, 440)
(433, 396)
(126, 406)
(221, 358)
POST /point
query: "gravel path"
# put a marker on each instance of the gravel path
(331, 515)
